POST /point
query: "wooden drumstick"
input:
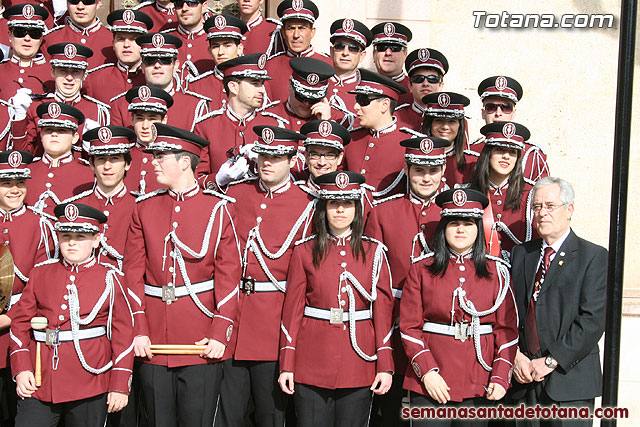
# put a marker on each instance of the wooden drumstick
(39, 324)
(177, 349)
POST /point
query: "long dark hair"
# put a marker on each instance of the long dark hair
(441, 252)
(459, 143)
(480, 178)
(321, 228)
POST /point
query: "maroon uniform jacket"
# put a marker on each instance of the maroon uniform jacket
(378, 155)
(403, 79)
(56, 290)
(426, 298)
(279, 70)
(29, 238)
(208, 84)
(5, 126)
(162, 17)
(452, 175)
(185, 241)
(141, 179)
(226, 130)
(410, 116)
(118, 209)
(26, 134)
(96, 37)
(108, 80)
(342, 102)
(322, 354)
(33, 77)
(513, 228)
(186, 109)
(534, 160)
(269, 222)
(4, 30)
(50, 185)
(194, 54)
(263, 37)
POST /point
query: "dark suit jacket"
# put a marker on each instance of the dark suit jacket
(570, 314)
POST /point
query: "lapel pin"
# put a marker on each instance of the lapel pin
(560, 263)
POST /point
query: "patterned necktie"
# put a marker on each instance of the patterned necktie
(531, 326)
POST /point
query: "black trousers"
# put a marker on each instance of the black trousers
(90, 412)
(259, 380)
(537, 396)
(8, 398)
(385, 411)
(133, 414)
(421, 401)
(322, 407)
(180, 397)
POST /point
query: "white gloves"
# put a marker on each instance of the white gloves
(89, 124)
(20, 102)
(59, 8)
(246, 150)
(232, 171)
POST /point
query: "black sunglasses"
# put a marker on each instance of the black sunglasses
(364, 100)
(34, 33)
(492, 107)
(163, 60)
(384, 46)
(84, 2)
(305, 99)
(419, 78)
(191, 3)
(340, 46)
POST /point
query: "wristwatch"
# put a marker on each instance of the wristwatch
(550, 362)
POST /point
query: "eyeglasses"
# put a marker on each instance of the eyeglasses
(419, 78)
(364, 100)
(340, 46)
(550, 207)
(306, 100)
(491, 108)
(34, 33)
(191, 3)
(163, 60)
(161, 156)
(382, 47)
(84, 2)
(313, 155)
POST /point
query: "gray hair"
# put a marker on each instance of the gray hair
(567, 194)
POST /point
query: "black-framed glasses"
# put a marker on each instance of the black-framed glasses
(431, 78)
(163, 60)
(305, 99)
(84, 2)
(382, 47)
(34, 33)
(340, 46)
(492, 107)
(550, 207)
(191, 3)
(364, 100)
(331, 155)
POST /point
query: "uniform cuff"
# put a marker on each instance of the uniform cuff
(287, 359)
(120, 380)
(141, 327)
(221, 329)
(384, 363)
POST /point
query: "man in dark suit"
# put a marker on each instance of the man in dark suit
(560, 288)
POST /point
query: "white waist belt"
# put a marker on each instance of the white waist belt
(324, 314)
(397, 293)
(180, 291)
(269, 287)
(83, 334)
(439, 328)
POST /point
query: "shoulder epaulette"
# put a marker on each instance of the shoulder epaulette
(535, 147)
(421, 257)
(300, 182)
(462, 185)
(372, 240)
(242, 181)
(150, 195)
(209, 114)
(368, 187)
(413, 132)
(99, 67)
(471, 153)
(323, 54)
(41, 213)
(36, 159)
(308, 190)
(120, 95)
(197, 95)
(402, 107)
(168, 30)
(143, 4)
(499, 260)
(96, 101)
(356, 129)
(268, 105)
(111, 267)
(83, 162)
(49, 261)
(5, 60)
(275, 116)
(54, 29)
(275, 55)
(191, 78)
(477, 140)
(77, 196)
(306, 239)
(387, 199)
(275, 21)
(219, 195)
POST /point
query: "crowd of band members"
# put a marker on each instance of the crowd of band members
(322, 230)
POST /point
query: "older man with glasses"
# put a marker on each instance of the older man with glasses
(390, 41)
(26, 67)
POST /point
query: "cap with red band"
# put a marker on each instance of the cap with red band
(505, 134)
(391, 32)
(225, 26)
(276, 141)
(149, 98)
(106, 140)
(426, 58)
(351, 29)
(14, 164)
(375, 84)
(129, 21)
(170, 138)
(326, 133)
(78, 218)
(340, 185)
(425, 151)
(69, 55)
(250, 66)
(298, 9)
(59, 115)
(462, 202)
(26, 15)
(159, 44)
(445, 105)
(310, 77)
(501, 86)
